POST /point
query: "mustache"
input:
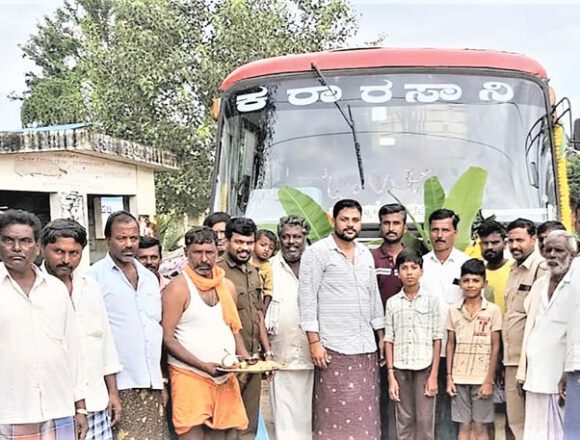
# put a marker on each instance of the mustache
(68, 266)
(204, 267)
(439, 240)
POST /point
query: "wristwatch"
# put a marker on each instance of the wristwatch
(268, 353)
(82, 411)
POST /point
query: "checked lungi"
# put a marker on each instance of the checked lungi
(99, 426)
(56, 429)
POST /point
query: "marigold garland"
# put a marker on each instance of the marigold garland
(561, 142)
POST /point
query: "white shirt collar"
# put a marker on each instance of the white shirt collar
(453, 257)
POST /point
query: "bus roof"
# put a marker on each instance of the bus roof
(386, 57)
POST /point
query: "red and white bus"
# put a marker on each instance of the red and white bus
(360, 123)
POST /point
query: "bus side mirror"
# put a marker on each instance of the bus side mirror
(576, 135)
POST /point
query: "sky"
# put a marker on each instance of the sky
(546, 31)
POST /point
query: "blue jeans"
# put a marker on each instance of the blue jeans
(572, 408)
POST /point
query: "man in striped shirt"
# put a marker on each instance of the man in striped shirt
(340, 308)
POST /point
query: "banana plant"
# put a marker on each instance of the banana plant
(295, 202)
(433, 199)
(465, 198)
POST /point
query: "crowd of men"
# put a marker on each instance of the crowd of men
(120, 351)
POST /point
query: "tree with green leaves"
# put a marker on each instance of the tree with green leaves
(147, 70)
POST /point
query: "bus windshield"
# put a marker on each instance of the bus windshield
(288, 131)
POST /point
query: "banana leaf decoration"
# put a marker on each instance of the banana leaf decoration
(433, 199)
(295, 202)
(465, 199)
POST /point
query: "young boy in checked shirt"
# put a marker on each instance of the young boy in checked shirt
(412, 345)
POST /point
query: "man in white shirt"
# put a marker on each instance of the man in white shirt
(441, 273)
(40, 387)
(133, 302)
(547, 306)
(291, 389)
(63, 241)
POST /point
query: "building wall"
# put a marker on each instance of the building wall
(68, 177)
(64, 172)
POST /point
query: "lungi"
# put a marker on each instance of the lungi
(346, 398)
(291, 400)
(143, 416)
(56, 429)
(99, 426)
(198, 400)
(544, 417)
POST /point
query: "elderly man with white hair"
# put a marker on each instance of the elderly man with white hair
(544, 345)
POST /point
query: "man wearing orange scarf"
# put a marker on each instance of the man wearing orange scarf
(200, 326)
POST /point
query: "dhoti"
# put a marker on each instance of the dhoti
(291, 399)
(199, 400)
(544, 417)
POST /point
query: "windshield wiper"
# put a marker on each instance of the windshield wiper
(349, 120)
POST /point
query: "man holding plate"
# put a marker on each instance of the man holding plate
(200, 331)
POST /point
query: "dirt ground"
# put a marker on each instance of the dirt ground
(500, 427)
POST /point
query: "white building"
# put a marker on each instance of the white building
(71, 171)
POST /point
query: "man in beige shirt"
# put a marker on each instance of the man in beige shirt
(525, 270)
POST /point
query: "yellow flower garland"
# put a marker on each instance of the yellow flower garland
(560, 141)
